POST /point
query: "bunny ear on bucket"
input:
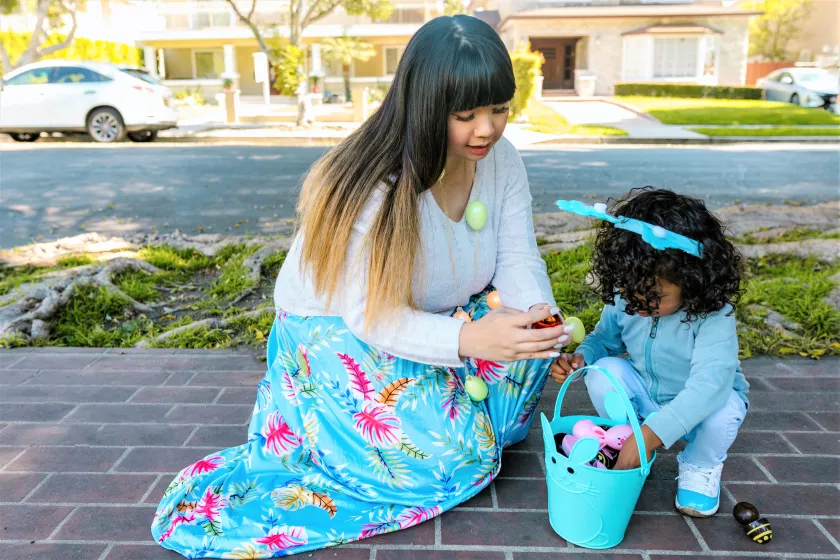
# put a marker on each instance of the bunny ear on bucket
(585, 450)
(615, 407)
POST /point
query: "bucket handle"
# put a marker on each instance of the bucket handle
(625, 400)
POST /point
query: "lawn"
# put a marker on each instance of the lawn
(196, 287)
(774, 131)
(545, 119)
(728, 111)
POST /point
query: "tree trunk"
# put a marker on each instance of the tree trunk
(346, 71)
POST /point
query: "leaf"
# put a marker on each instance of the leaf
(391, 394)
(835, 345)
(786, 350)
(359, 382)
(408, 447)
(325, 503)
(213, 528)
(185, 506)
(291, 497)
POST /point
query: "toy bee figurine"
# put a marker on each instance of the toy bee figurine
(756, 527)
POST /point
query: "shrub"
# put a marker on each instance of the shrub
(80, 49)
(526, 70)
(688, 90)
(287, 76)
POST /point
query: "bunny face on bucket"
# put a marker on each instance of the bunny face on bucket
(571, 474)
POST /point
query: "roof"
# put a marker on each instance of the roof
(675, 28)
(667, 10)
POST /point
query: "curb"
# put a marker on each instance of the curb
(692, 141)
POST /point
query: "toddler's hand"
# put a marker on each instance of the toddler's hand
(629, 458)
(565, 365)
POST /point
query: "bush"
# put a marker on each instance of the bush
(526, 70)
(688, 90)
(287, 76)
(80, 49)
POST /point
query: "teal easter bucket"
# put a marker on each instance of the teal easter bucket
(587, 506)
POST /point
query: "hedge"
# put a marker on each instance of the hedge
(80, 49)
(688, 90)
(526, 68)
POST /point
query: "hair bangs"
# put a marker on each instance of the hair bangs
(480, 77)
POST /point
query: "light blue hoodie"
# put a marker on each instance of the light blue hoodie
(689, 368)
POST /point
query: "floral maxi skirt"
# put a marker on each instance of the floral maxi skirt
(347, 442)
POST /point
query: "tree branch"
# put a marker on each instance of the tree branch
(253, 27)
(253, 9)
(68, 40)
(313, 15)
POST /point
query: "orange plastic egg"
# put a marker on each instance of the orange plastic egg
(494, 300)
(464, 316)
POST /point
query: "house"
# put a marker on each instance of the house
(613, 41)
(192, 43)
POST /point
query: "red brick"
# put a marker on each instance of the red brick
(162, 459)
(799, 384)
(816, 443)
(53, 361)
(490, 528)
(208, 362)
(483, 499)
(107, 413)
(162, 352)
(231, 414)
(9, 453)
(156, 495)
(9, 360)
(150, 434)
(659, 532)
(234, 395)
(15, 487)
(103, 378)
(130, 362)
(91, 434)
(760, 442)
(66, 459)
(227, 379)
(34, 412)
(521, 494)
(45, 551)
(658, 496)
(832, 526)
(16, 376)
(179, 378)
(436, 555)
(828, 420)
(757, 420)
(27, 522)
(522, 465)
(779, 499)
(93, 488)
(49, 393)
(422, 534)
(220, 437)
(175, 395)
(721, 533)
(108, 524)
(152, 551)
(797, 402)
(575, 553)
(803, 469)
(828, 367)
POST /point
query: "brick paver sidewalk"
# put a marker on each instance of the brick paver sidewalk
(89, 439)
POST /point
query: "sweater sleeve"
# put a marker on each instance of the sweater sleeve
(413, 335)
(713, 366)
(520, 275)
(605, 340)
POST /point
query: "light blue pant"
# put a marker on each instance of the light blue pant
(708, 442)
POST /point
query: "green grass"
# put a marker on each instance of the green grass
(802, 234)
(12, 277)
(234, 276)
(728, 111)
(138, 285)
(774, 131)
(548, 121)
(175, 260)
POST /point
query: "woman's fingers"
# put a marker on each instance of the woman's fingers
(530, 317)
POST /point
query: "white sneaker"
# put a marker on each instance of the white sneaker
(698, 491)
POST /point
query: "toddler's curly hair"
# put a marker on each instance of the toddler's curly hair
(623, 264)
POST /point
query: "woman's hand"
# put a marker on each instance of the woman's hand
(503, 336)
(629, 458)
(566, 365)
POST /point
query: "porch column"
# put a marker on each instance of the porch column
(230, 66)
(150, 60)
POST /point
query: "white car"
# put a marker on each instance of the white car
(808, 87)
(105, 101)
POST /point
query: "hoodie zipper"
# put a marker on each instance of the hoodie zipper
(654, 380)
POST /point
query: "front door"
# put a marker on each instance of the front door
(559, 68)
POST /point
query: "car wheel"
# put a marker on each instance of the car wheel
(25, 136)
(106, 125)
(143, 136)
(794, 99)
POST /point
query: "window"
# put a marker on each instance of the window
(710, 60)
(675, 57)
(141, 74)
(392, 59)
(208, 64)
(786, 78)
(34, 77)
(74, 75)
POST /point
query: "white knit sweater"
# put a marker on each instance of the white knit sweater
(507, 257)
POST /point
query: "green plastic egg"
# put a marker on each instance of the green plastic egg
(580, 331)
(476, 388)
(476, 214)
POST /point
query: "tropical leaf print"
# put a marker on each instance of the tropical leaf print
(528, 410)
(302, 361)
(317, 339)
(210, 505)
(489, 371)
(213, 528)
(174, 522)
(264, 397)
(247, 552)
(324, 502)
(288, 388)
(484, 434)
(455, 400)
(427, 387)
(241, 494)
(291, 497)
(279, 437)
(185, 507)
(311, 427)
(389, 467)
(458, 448)
(446, 489)
(283, 538)
(373, 529)
(380, 364)
(359, 382)
(206, 465)
(407, 447)
(390, 395)
(334, 538)
(514, 381)
(410, 517)
(378, 425)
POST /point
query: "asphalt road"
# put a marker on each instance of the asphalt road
(50, 191)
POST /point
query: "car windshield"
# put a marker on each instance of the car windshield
(140, 74)
(811, 76)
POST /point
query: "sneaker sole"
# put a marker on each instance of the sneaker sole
(692, 512)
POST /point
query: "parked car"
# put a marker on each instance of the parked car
(100, 99)
(808, 87)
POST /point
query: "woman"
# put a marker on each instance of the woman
(362, 424)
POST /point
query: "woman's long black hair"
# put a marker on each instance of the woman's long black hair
(627, 266)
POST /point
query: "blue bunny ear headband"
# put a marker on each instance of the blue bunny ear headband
(655, 236)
